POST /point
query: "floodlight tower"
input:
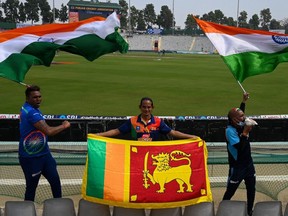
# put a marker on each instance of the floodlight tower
(53, 11)
(129, 20)
(173, 23)
(237, 24)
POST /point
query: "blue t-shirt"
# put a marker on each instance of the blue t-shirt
(33, 143)
(232, 139)
(239, 149)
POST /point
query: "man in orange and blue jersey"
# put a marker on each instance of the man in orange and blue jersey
(146, 127)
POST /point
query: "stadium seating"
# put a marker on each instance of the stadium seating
(201, 209)
(20, 208)
(226, 207)
(58, 207)
(65, 206)
(166, 212)
(119, 211)
(86, 208)
(171, 43)
(268, 208)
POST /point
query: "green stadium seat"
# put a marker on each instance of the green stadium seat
(268, 208)
(232, 207)
(58, 207)
(200, 209)
(87, 208)
(20, 208)
(166, 212)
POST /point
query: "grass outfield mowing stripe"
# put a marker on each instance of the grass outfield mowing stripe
(180, 84)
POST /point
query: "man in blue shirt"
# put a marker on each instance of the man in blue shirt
(241, 165)
(34, 155)
(146, 127)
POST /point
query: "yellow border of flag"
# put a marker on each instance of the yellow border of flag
(99, 145)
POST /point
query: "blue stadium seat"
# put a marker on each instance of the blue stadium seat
(232, 207)
(19, 208)
(86, 208)
(200, 209)
(268, 208)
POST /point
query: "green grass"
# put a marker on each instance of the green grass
(179, 84)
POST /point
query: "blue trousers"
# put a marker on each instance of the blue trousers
(236, 176)
(33, 168)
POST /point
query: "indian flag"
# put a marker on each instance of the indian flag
(23, 47)
(247, 52)
(139, 174)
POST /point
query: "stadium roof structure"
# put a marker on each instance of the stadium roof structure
(94, 3)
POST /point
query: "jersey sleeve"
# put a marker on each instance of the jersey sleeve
(242, 106)
(232, 136)
(34, 116)
(125, 127)
(164, 128)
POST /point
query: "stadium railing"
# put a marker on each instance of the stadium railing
(269, 151)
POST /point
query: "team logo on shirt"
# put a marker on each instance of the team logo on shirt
(137, 128)
(34, 142)
(145, 137)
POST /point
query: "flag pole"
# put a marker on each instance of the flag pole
(241, 87)
(24, 84)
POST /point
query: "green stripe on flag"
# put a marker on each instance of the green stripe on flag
(44, 51)
(92, 46)
(96, 168)
(17, 65)
(37, 53)
(248, 64)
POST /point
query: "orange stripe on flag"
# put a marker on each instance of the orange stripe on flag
(210, 27)
(114, 175)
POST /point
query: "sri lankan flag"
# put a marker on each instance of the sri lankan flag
(139, 174)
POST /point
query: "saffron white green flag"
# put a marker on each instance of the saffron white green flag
(23, 47)
(247, 52)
